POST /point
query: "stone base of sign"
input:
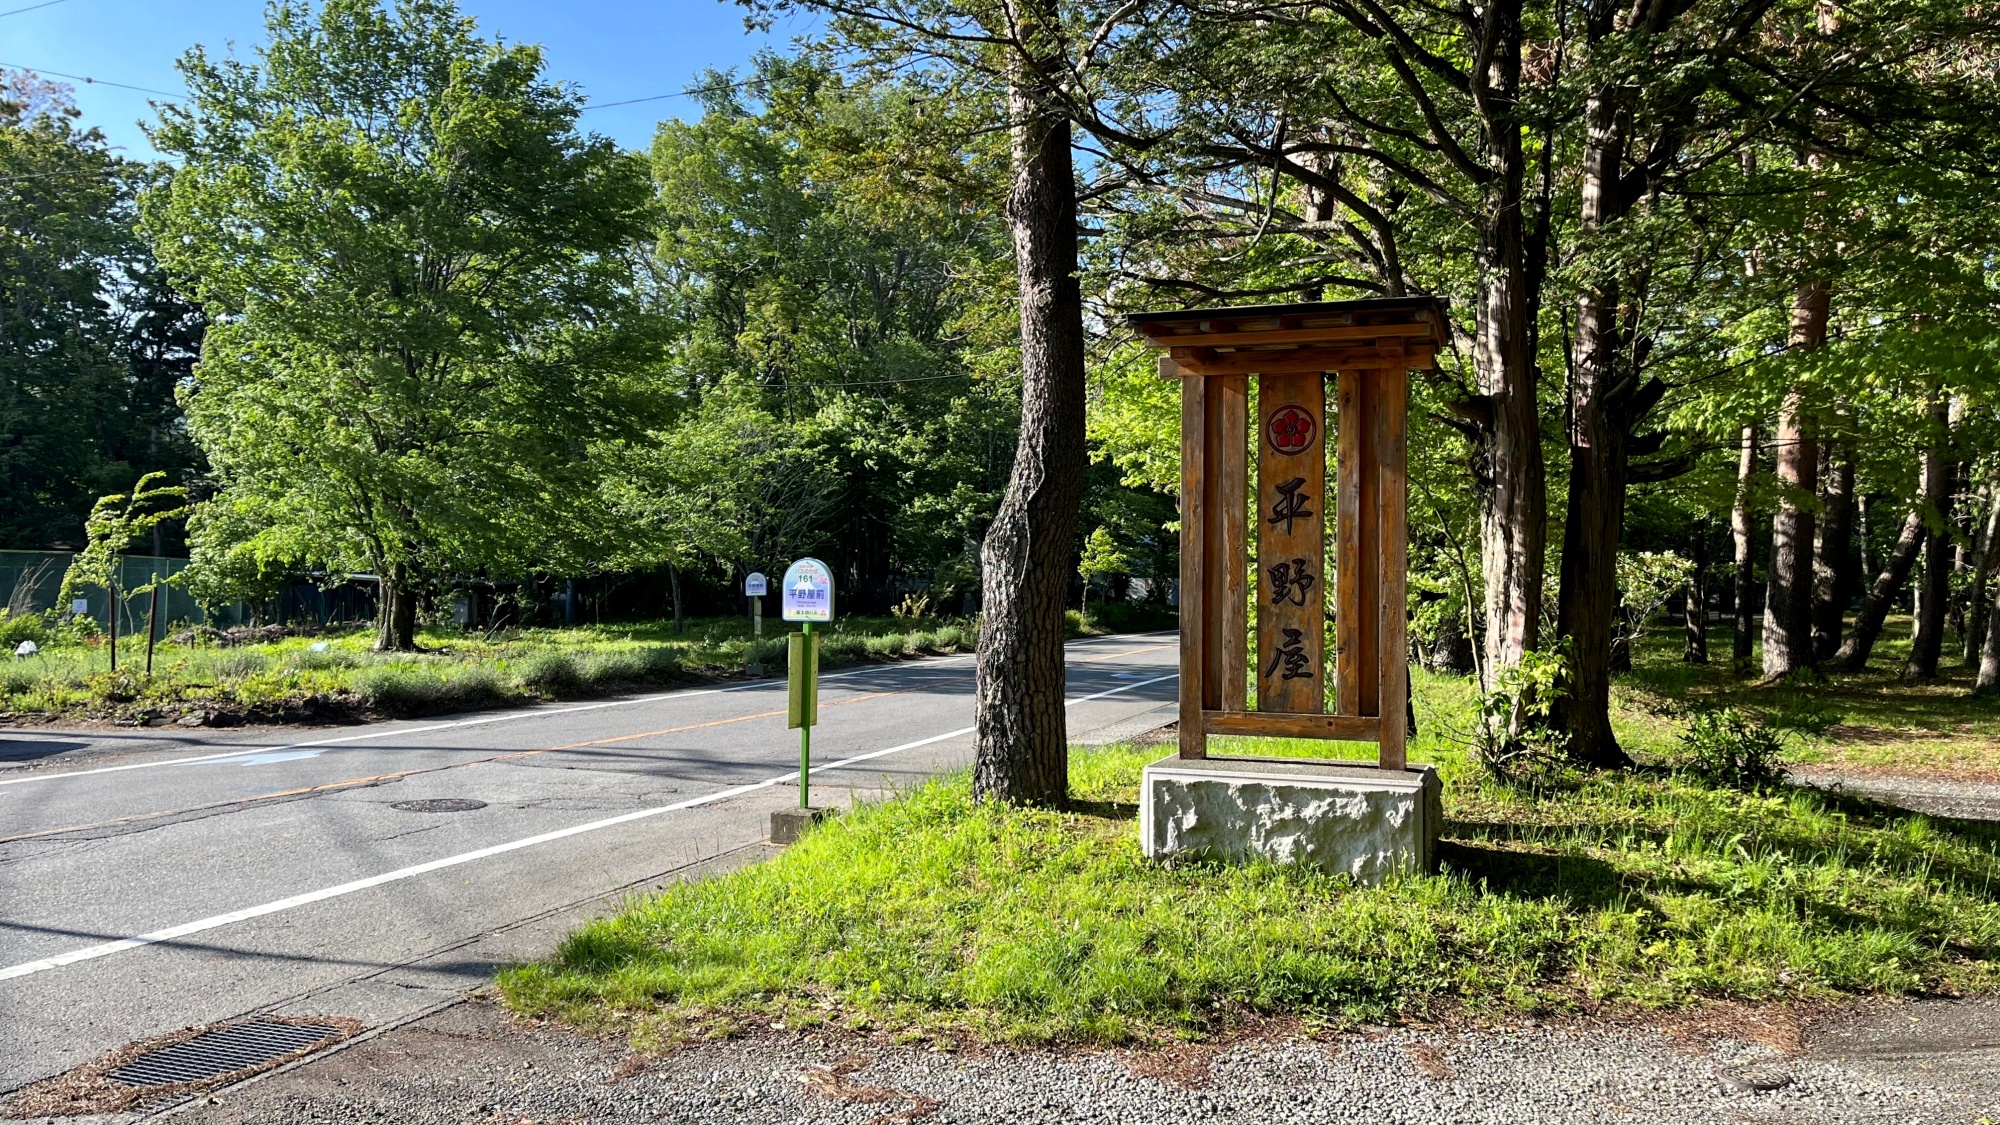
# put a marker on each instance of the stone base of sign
(789, 825)
(754, 671)
(1344, 817)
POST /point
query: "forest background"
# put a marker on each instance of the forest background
(1720, 275)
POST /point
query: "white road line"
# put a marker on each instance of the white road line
(510, 716)
(105, 949)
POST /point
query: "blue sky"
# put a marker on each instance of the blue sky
(613, 49)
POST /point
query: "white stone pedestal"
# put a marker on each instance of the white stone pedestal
(1339, 816)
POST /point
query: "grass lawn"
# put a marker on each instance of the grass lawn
(1868, 720)
(928, 913)
(286, 679)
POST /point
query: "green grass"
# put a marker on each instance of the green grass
(454, 669)
(1868, 720)
(930, 912)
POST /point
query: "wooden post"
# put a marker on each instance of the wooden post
(1389, 425)
(1291, 543)
(1194, 522)
(1357, 528)
(1225, 558)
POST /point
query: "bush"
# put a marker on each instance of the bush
(24, 627)
(244, 665)
(1726, 748)
(409, 688)
(326, 660)
(551, 673)
(16, 678)
(649, 664)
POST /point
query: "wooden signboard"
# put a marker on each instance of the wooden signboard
(1368, 349)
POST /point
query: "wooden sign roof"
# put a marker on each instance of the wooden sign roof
(1315, 336)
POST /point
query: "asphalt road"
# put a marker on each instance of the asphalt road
(151, 880)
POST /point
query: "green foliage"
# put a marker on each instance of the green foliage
(930, 910)
(92, 342)
(18, 627)
(116, 522)
(1512, 736)
(1727, 748)
(423, 279)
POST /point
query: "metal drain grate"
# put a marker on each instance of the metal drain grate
(222, 1052)
(439, 804)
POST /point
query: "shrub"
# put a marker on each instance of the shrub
(15, 628)
(912, 607)
(551, 673)
(326, 660)
(244, 665)
(645, 664)
(950, 638)
(1724, 747)
(16, 678)
(410, 688)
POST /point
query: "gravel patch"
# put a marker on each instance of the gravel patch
(474, 1065)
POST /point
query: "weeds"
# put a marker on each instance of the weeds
(1724, 747)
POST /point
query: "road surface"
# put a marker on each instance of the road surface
(151, 880)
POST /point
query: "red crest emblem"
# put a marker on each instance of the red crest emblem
(1290, 430)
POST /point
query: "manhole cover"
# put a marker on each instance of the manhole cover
(439, 804)
(223, 1051)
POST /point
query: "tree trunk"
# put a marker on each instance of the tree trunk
(1976, 605)
(1512, 478)
(1853, 655)
(1927, 632)
(1739, 527)
(1989, 654)
(1022, 752)
(1600, 421)
(396, 617)
(674, 581)
(1788, 589)
(1833, 557)
(1695, 650)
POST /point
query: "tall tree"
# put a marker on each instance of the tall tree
(1927, 631)
(421, 279)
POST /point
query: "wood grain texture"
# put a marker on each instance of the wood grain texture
(1200, 360)
(1194, 428)
(1291, 547)
(1227, 566)
(1164, 335)
(1346, 728)
(1390, 422)
(1357, 530)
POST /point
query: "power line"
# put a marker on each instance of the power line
(32, 7)
(86, 79)
(687, 93)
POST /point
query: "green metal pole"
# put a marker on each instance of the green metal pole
(805, 729)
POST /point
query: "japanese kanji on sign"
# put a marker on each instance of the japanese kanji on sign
(1368, 347)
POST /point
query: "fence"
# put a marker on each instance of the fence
(32, 581)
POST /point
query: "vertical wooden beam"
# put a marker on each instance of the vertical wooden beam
(1291, 543)
(1391, 410)
(1357, 635)
(1228, 558)
(1194, 518)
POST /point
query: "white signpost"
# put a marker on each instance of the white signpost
(808, 591)
(755, 586)
(808, 597)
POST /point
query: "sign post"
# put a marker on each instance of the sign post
(808, 598)
(755, 586)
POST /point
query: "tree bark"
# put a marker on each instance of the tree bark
(1976, 605)
(396, 616)
(1788, 590)
(1853, 654)
(1022, 749)
(1740, 529)
(1601, 409)
(1695, 650)
(1510, 470)
(1927, 632)
(1989, 654)
(1833, 556)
